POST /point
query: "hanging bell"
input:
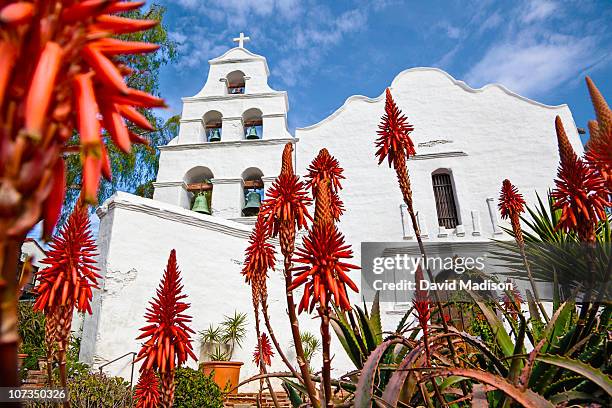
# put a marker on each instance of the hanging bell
(200, 204)
(253, 201)
(252, 134)
(214, 135)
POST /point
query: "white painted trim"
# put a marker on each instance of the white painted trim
(440, 155)
(174, 213)
(235, 96)
(161, 184)
(254, 57)
(212, 145)
(454, 81)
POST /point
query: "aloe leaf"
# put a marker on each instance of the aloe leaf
(294, 396)
(374, 320)
(365, 384)
(396, 382)
(366, 330)
(590, 372)
(345, 336)
(497, 327)
(567, 396)
(525, 398)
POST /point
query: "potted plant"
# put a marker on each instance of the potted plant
(217, 349)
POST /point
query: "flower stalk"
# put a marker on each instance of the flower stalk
(284, 212)
(511, 206)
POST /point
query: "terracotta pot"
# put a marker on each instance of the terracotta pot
(224, 372)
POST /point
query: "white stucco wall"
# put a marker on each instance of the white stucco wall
(480, 136)
(136, 237)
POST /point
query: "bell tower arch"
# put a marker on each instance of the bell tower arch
(235, 122)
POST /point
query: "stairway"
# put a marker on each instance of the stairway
(249, 399)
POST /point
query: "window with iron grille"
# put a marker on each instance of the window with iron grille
(445, 200)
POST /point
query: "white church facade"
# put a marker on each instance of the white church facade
(229, 148)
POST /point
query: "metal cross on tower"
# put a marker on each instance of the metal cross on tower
(240, 40)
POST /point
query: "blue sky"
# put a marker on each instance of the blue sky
(322, 52)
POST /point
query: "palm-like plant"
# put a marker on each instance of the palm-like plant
(168, 343)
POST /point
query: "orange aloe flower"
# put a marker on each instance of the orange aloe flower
(259, 258)
(263, 351)
(511, 206)
(324, 273)
(168, 343)
(580, 191)
(599, 147)
(327, 166)
(288, 198)
(71, 273)
(146, 393)
(58, 67)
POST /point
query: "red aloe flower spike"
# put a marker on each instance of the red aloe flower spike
(263, 351)
(511, 304)
(394, 134)
(327, 166)
(66, 282)
(512, 205)
(324, 166)
(322, 253)
(581, 193)
(566, 151)
(259, 258)
(71, 273)
(602, 110)
(599, 147)
(287, 203)
(168, 341)
(422, 305)
(593, 133)
(146, 393)
(41, 65)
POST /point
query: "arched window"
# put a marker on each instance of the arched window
(235, 83)
(252, 191)
(444, 193)
(199, 188)
(212, 126)
(253, 124)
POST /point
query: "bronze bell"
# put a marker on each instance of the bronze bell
(253, 201)
(252, 134)
(214, 135)
(200, 204)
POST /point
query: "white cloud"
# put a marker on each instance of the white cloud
(538, 10)
(533, 67)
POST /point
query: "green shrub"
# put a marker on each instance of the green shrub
(89, 390)
(31, 326)
(196, 390)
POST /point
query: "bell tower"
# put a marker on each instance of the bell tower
(230, 141)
